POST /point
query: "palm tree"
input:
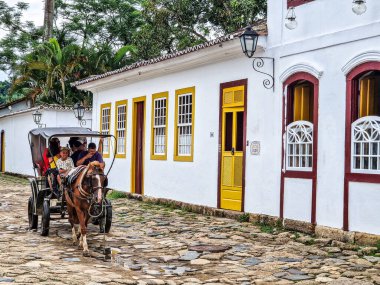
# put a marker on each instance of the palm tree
(48, 19)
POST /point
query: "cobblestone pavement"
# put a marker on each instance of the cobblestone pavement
(152, 245)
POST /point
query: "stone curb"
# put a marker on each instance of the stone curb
(18, 175)
(288, 224)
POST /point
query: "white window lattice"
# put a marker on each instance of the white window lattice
(299, 146)
(159, 127)
(185, 111)
(365, 144)
(121, 128)
(106, 116)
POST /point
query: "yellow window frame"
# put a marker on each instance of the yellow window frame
(102, 107)
(152, 155)
(187, 158)
(117, 104)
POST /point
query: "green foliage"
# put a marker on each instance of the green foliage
(96, 36)
(310, 242)
(4, 87)
(243, 218)
(378, 246)
(114, 195)
(265, 228)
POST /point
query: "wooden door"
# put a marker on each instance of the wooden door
(232, 152)
(138, 147)
(2, 158)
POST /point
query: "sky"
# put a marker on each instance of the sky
(34, 13)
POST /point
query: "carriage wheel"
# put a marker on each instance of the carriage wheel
(33, 219)
(45, 222)
(106, 221)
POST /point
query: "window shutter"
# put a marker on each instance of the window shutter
(367, 97)
(303, 105)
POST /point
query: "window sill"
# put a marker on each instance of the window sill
(183, 158)
(158, 157)
(120, 155)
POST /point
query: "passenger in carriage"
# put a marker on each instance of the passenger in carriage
(78, 148)
(64, 164)
(91, 155)
(51, 156)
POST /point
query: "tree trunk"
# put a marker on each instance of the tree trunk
(48, 19)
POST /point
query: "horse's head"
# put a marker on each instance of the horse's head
(96, 181)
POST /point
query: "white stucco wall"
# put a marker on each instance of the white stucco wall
(196, 182)
(16, 128)
(364, 205)
(297, 199)
(328, 36)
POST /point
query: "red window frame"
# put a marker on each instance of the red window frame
(351, 116)
(286, 110)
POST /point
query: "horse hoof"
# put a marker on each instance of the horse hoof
(86, 253)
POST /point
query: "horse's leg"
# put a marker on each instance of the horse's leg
(80, 245)
(70, 211)
(83, 230)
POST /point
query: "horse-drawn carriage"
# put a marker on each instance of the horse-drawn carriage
(44, 202)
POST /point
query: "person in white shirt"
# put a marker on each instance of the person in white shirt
(64, 164)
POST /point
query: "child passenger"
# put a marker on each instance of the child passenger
(64, 164)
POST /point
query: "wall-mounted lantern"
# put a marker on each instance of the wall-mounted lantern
(79, 113)
(248, 41)
(37, 116)
(290, 20)
(359, 7)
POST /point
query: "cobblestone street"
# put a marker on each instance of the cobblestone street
(152, 245)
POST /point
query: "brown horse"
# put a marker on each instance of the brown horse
(86, 194)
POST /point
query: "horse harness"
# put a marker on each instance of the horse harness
(87, 196)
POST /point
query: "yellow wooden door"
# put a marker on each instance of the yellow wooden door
(232, 149)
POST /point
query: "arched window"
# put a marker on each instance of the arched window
(365, 128)
(362, 151)
(300, 133)
(299, 126)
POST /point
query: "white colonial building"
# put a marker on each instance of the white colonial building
(203, 126)
(16, 120)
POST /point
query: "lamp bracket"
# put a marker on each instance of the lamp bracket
(257, 64)
(83, 122)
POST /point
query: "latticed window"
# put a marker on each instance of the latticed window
(299, 146)
(184, 126)
(105, 126)
(159, 126)
(121, 127)
(366, 144)
(299, 131)
(365, 131)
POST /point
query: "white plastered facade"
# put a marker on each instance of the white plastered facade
(16, 126)
(330, 40)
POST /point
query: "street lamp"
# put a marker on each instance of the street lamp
(37, 115)
(248, 41)
(79, 113)
(359, 7)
